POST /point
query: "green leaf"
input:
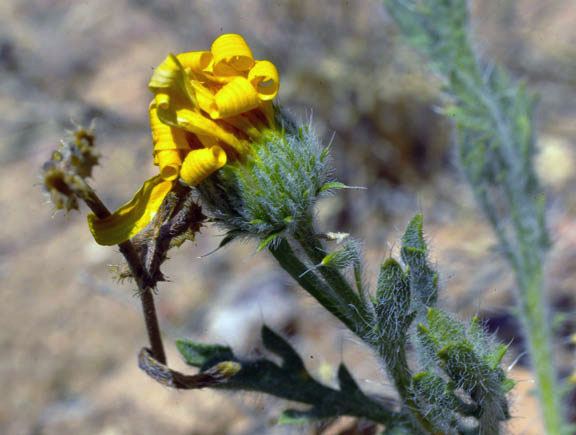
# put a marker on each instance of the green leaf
(423, 279)
(429, 385)
(278, 345)
(228, 238)
(433, 394)
(477, 334)
(495, 358)
(257, 221)
(393, 284)
(413, 238)
(342, 258)
(508, 384)
(332, 185)
(444, 328)
(338, 185)
(392, 302)
(199, 355)
(324, 153)
(266, 241)
(428, 342)
(290, 381)
(464, 367)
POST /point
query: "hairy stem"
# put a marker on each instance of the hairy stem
(351, 301)
(394, 358)
(140, 276)
(535, 319)
(309, 281)
(494, 117)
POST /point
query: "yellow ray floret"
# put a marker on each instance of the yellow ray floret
(194, 122)
(231, 54)
(199, 164)
(132, 217)
(169, 144)
(207, 109)
(264, 78)
(170, 78)
(234, 98)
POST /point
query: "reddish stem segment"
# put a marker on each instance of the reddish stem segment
(140, 276)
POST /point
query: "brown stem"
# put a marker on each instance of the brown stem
(140, 276)
(171, 378)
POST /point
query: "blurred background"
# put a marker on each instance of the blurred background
(69, 334)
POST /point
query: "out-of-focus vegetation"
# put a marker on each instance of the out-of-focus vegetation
(69, 335)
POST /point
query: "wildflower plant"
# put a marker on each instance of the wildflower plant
(227, 155)
(494, 114)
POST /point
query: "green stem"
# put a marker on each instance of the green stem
(534, 315)
(309, 281)
(354, 305)
(539, 337)
(394, 358)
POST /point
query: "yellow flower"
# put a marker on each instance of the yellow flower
(207, 109)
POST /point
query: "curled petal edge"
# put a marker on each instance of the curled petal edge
(133, 216)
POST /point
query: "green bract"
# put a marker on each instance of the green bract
(274, 189)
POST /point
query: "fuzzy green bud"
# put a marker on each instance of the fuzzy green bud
(342, 258)
(414, 252)
(273, 190)
(392, 302)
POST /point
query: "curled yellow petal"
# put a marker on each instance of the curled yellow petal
(199, 164)
(195, 60)
(132, 217)
(236, 97)
(164, 136)
(231, 53)
(169, 162)
(265, 79)
(204, 96)
(170, 77)
(162, 100)
(201, 125)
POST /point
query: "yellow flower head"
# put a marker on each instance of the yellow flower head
(208, 107)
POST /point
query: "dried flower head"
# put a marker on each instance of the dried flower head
(65, 172)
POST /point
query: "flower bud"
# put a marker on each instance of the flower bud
(273, 189)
